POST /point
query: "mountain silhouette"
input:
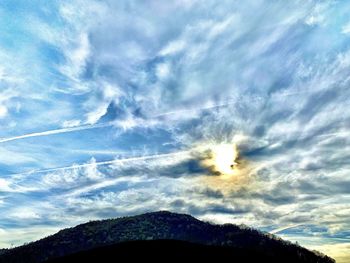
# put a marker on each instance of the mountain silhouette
(160, 236)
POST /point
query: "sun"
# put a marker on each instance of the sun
(227, 169)
(221, 159)
(224, 158)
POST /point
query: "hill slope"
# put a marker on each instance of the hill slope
(161, 250)
(187, 234)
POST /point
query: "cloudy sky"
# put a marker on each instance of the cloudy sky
(112, 108)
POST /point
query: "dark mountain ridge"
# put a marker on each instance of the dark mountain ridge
(169, 232)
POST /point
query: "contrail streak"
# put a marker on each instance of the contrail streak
(52, 132)
(345, 133)
(102, 125)
(115, 161)
(227, 103)
(280, 229)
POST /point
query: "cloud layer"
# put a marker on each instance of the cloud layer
(103, 104)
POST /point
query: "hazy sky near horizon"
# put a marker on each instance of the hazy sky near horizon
(107, 106)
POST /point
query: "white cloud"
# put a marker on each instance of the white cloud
(76, 54)
(6, 99)
(71, 123)
(24, 213)
(317, 15)
(5, 185)
(173, 47)
(92, 172)
(97, 105)
(12, 157)
(93, 116)
(3, 111)
(346, 29)
(163, 70)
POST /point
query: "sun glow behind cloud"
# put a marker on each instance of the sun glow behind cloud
(221, 159)
(226, 169)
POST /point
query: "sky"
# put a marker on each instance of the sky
(113, 108)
